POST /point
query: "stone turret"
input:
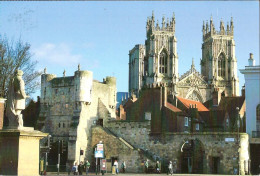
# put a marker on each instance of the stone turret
(46, 86)
(111, 82)
(83, 86)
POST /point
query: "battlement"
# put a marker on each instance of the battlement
(166, 26)
(110, 80)
(81, 73)
(158, 85)
(209, 30)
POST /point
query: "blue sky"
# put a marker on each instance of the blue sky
(99, 35)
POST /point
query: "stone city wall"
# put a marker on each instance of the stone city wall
(168, 146)
(116, 148)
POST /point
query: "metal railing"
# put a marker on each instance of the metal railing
(255, 134)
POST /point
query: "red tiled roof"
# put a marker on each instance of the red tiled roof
(173, 108)
(187, 103)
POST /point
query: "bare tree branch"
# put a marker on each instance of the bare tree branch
(13, 57)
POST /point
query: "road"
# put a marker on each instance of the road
(134, 174)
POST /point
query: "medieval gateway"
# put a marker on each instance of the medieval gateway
(196, 120)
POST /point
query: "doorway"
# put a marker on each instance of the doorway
(192, 157)
(215, 165)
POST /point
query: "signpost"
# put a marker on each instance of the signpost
(99, 153)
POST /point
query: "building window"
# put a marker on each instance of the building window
(148, 116)
(56, 91)
(163, 62)
(227, 122)
(59, 125)
(186, 121)
(258, 117)
(63, 125)
(197, 126)
(221, 65)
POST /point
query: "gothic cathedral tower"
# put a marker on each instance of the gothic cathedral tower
(219, 63)
(161, 59)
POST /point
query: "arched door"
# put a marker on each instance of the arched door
(192, 155)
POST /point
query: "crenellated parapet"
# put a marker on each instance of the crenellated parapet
(209, 30)
(166, 26)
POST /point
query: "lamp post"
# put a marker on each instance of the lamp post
(238, 141)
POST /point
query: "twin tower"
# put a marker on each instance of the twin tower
(156, 62)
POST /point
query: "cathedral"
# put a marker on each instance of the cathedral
(156, 62)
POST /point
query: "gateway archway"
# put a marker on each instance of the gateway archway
(192, 156)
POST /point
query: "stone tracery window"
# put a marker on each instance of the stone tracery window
(221, 65)
(163, 62)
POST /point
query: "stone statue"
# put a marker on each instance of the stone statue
(16, 101)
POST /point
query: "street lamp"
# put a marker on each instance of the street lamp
(238, 125)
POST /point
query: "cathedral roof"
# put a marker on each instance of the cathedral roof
(191, 71)
(187, 103)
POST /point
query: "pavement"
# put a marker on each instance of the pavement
(133, 174)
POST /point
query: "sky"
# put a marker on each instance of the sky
(99, 35)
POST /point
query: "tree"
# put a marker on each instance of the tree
(13, 57)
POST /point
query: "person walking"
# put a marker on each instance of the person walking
(116, 166)
(81, 168)
(87, 166)
(123, 166)
(68, 168)
(75, 168)
(170, 171)
(158, 167)
(146, 165)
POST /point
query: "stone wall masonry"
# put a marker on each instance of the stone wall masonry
(168, 146)
(117, 148)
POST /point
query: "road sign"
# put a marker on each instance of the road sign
(99, 154)
(103, 164)
(100, 147)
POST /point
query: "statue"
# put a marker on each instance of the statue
(16, 101)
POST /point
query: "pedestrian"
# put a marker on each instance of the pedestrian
(87, 166)
(75, 168)
(146, 165)
(158, 167)
(123, 166)
(170, 171)
(81, 168)
(116, 166)
(68, 168)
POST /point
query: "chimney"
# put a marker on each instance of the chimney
(215, 97)
(251, 61)
(164, 96)
(2, 105)
(243, 93)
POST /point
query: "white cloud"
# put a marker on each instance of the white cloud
(60, 54)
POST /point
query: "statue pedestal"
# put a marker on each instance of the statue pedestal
(19, 151)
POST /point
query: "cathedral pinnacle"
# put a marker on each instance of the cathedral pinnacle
(64, 73)
(203, 28)
(163, 22)
(192, 65)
